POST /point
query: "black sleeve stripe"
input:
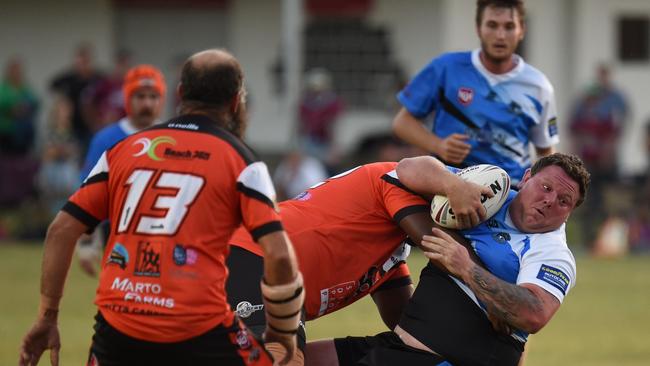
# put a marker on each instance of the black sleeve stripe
(394, 283)
(101, 177)
(254, 194)
(80, 214)
(288, 299)
(278, 330)
(267, 228)
(394, 181)
(409, 210)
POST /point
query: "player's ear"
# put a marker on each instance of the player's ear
(179, 90)
(524, 179)
(235, 101)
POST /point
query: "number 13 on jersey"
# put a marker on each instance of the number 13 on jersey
(176, 205)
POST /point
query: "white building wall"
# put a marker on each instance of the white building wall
(596, 32)
(256, 37)
(45, 34)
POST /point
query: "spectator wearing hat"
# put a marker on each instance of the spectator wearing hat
(144, 95)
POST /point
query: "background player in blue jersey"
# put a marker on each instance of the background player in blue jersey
(476, 315)
(488, 105)
(144, 98)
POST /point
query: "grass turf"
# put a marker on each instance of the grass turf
(604, 321)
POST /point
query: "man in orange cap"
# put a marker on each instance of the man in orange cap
(144, 97)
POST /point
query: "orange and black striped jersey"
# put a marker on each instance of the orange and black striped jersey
(346, 235)
(174, 194)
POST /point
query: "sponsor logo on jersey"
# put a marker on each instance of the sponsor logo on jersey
(149, 146)
(243, 340)
(186, 154)
(183, 255)
(184, 126)
(147, 262)
(304, 196)
(555, 277)
(552, 126)
(142, 292)
(245, 309)
(119, 255)
(465, 95)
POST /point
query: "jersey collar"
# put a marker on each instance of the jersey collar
(492, 78)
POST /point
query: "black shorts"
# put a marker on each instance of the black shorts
(233, 345)
(384, 349)
(245, 295)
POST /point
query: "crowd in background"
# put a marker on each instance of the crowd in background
(40, 169)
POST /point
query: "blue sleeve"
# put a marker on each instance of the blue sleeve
(420, 96)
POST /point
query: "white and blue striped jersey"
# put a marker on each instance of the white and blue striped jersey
(542, 259)
(503, 114)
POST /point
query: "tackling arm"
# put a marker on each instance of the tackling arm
(527, 307)
(426, 175)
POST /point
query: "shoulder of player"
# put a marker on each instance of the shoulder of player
(537, 77)
(552, 240)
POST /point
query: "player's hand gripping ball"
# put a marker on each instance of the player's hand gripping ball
(484, 174)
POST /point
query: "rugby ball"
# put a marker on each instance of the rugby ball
(484, 174)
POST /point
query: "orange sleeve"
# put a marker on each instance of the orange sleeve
(398, 200)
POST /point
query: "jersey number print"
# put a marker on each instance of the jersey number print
(187, 188)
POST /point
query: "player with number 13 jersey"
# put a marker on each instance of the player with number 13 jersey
(170, 228)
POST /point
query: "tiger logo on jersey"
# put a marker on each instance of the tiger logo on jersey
(149, 146)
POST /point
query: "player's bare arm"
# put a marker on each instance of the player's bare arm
(426, 175)
(391, 303)
(283, 294)
(527, 307)
(59, 247)
(453, 149)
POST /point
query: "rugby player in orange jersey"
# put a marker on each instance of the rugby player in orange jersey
(175, 193)
(349, 234)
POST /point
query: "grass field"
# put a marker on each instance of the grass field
(604, 321)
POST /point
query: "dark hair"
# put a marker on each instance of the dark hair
(572, 166)
(211, 86)
(517, 5)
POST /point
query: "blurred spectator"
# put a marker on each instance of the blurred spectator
(71, 84)
(143, 92)
(18, 106)
(58, 177)
(596, 126)
(105, 99)
(597, 123)
(320, 107)
(297, 172)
